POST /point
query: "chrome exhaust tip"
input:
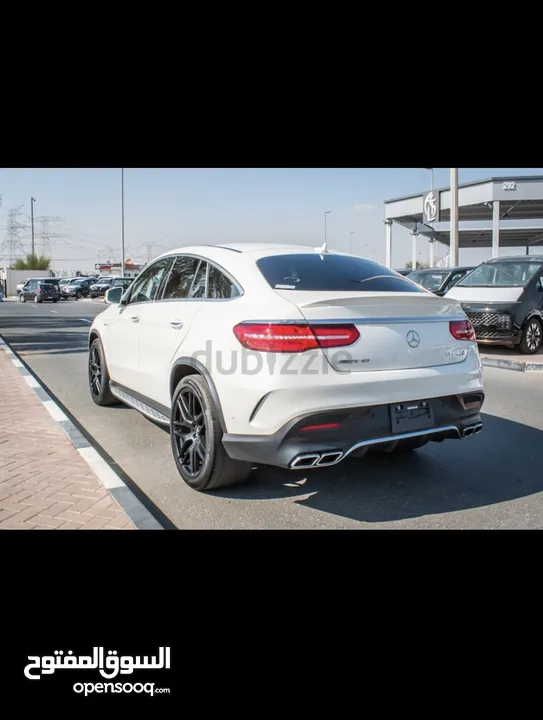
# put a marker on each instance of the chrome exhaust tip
(305, 461)
(477, 428)
(329, 458)
(467, 431)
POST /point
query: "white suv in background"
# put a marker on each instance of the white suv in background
(284, 355)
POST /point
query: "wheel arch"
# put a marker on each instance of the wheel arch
(533, 313)
(188, 366)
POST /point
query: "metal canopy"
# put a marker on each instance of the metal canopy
(519, 201)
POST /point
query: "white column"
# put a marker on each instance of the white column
(414, 250)
(388, 243)
(496, 229)
(432, 244)
(453, 256)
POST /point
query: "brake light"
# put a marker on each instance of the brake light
(326, 426)
(462, 330)
(284, 338)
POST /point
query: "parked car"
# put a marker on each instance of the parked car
(503, 298)
(123, 283)
(286, 356)
(403, 271)
(21, 285)
(99, 286)
(439, 280)
(77, 288)
(40, 290)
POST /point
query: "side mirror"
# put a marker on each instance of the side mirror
(540, 284)
(113, 296)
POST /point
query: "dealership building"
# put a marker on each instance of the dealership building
(498, 212)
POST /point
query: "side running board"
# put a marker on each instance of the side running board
(142, 407)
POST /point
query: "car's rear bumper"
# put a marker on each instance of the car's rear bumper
(454, 417)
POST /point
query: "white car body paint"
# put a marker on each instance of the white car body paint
(485, 294)
(142, 342)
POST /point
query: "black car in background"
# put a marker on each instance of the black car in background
(100, 286)
(439, 280)
(503, 298)
(40, 290)
(77, 288)
(403, 271)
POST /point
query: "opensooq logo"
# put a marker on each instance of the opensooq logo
(109, 666)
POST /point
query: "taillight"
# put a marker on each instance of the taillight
(40, 291)
(284, 338)
(462, 330)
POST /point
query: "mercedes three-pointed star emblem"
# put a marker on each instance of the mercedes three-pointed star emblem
(413, 339)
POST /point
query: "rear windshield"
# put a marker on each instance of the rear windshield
(331, 273)
(48, 282)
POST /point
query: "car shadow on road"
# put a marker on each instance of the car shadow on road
(500, 464)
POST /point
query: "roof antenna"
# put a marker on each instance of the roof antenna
(323, 250)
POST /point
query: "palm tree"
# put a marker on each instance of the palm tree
(32, 262)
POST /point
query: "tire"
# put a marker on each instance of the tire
(100, 392)
(22, 298)
(532, 337)
(55, 301)
(78, 295)
(212, 468)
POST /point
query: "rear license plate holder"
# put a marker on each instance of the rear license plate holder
(411, 416)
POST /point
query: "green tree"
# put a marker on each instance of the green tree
(32, 262)
(420, 266)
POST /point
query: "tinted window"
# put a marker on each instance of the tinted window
(148, 283)
(219, 287)
(181, 278)
(501, 274)
(331, 273)
(198, 289)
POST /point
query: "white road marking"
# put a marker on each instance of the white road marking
(104, 473)
(54, 410)
(31, 381)
(55, 311)
(85, 320)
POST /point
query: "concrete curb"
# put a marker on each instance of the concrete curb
(505, 364)
(136, 511)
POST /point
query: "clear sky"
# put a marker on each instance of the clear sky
(178, 206)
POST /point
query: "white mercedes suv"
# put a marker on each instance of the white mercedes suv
(284, 355)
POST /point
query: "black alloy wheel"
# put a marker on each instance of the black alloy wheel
(95, 371)
(99, 376)
(196, 437)
(189, 428)
(532, 337)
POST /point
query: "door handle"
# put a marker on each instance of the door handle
(176, 324)
(135, 318)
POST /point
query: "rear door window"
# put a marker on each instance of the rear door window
(331, 273)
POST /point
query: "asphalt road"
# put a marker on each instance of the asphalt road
(492, 480)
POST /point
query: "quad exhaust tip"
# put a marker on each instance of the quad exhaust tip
(472, 430)
(317, 459)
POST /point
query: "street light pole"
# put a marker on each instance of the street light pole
(325, 214)
(453, 256)
(122, 222)
(351, 242)
(32, 201)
